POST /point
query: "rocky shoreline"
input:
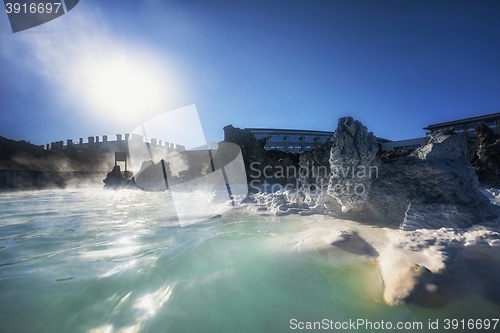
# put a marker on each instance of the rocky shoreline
(347, 177)
(442, 233)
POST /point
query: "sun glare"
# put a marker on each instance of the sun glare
(124, 85)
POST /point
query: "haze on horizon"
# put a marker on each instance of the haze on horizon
(107, 66)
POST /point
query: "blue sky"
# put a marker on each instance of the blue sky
(396, 66)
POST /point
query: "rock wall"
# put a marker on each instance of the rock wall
(486, 160)
(264, 168)
(433, 187)
(315, 166)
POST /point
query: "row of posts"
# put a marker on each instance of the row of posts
(94, 144)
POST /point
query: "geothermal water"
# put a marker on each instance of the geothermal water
(118, 261)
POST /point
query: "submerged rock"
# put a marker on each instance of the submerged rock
(350, 241)
(419, 285)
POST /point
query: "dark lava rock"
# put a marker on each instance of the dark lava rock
(315, 167)
(486, 161)
(115, 179)
(392, 154)
(264, 167)
(433, 187)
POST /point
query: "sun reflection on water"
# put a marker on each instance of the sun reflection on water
(147, 306)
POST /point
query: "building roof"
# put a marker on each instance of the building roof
(299, 132)
(487, 117)
(288, 131)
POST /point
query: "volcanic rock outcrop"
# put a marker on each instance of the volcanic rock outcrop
(114, 179)
(315, 166)
(353, 163)
(263, 167)
(486, 160)
(433, 187)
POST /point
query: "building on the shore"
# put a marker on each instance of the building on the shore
(408, 144)
(467, 125)
(292, 140)
(302, 140)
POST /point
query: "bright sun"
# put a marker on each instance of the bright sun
(124, 85)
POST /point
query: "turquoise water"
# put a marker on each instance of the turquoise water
(117, 261)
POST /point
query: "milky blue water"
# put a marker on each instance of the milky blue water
(117, 261)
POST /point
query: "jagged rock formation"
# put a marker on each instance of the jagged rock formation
(443, 145)
(283, 202)
(487, 158)
(392, 154)
(353, 163)
(433, 187)
(315, 168)
(264, 168)
(114, 179)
